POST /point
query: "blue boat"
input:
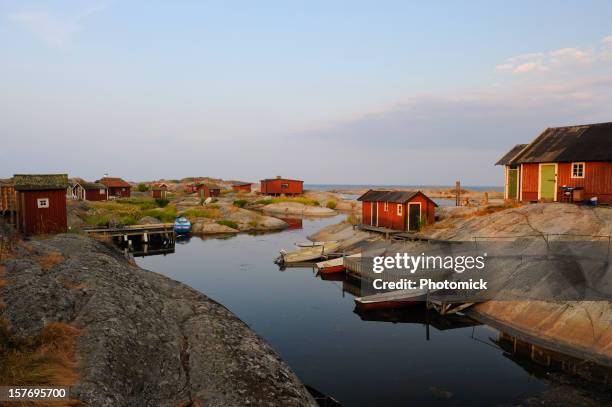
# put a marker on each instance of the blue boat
(182, 225)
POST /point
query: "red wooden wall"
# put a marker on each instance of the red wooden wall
(273, 187)
(597, 180)
(34, 220)
(95, 195)
(123, 192)
(241, 188)
(390, 219)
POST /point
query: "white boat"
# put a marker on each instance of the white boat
(391, 300)
(334, 265)
(311, 244)
(308, 253)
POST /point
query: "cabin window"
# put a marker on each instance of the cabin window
(42, 202)
(284, 186)
(399, 210)
(577, 170)
(386, 206)
(102, 192)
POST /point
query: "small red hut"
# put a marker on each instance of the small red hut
(117, 187)
(159, 190)
(208, 190)
(281, 186)
(397, 210)
(242, 187)
(41, 203)
(95, 191)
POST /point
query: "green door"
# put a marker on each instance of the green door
(512, 184)
(547, 182)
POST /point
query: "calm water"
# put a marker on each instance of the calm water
(311, 323)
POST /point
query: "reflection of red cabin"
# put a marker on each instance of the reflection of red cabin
(117, 187)
(563, 163)
(41, 203)
(294, 223)
(159, 190)
(281, 186)
(241, 186)
(208, 190)
(398, 210)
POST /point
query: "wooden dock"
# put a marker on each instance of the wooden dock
(377, 229)
(144, 232)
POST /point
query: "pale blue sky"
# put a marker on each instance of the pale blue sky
(329, 91)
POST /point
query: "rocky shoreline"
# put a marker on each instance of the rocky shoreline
(147, 340)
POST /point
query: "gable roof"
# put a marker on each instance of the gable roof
(391, 196)
(280, 179)
(505, 160)
(111, 182)
(93, 185)
(589, 142)
(240, 183)
(39, 182)
(209, 186)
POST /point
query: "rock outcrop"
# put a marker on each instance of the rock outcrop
(147, 340)
(295, 208)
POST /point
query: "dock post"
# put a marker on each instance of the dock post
(145, 237)
(458, 193)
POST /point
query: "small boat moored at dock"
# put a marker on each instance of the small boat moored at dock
(305, 254)
(182, 225)
(334, 265)
(391, 300)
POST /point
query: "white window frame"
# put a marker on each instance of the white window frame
(386, 206)
(400, 209)
(102, 191)
(42, 203)
(583, 169)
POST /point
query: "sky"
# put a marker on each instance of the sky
(389, 92)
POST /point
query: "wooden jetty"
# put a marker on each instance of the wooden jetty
(378, 229)
(143, 232)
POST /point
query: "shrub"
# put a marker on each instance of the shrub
(240, 203)
(142, 187)
(297, 199)
(253, 223)
(228, 223)
(352, 219)
(331, 204)
(162, 202)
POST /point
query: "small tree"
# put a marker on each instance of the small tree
(142, 187)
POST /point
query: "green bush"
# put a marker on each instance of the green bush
(162, 202)
(201, 213)
(142, 187)
(331, 204)
(228, 223)
(240, 203)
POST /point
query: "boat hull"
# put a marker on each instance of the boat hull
(332, 269)
(384, 305)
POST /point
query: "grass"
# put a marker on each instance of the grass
(331, 204)
(46, 359)
(488, 210)
(240, 203)
(48, 260)
(297, 199)
(129, 211)
(228, 223)
(210, 213)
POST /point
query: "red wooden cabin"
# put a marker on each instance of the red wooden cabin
(397, 210)
(242, 187)
(208, 190)
(563, 163)
(41, 203)
(95, 191)
(281, 186)
(117, 187)
(159, 190)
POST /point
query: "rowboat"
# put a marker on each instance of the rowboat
(310, 244)
(182, 225)
(334, 265)
(391, 300)
(308, 253)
